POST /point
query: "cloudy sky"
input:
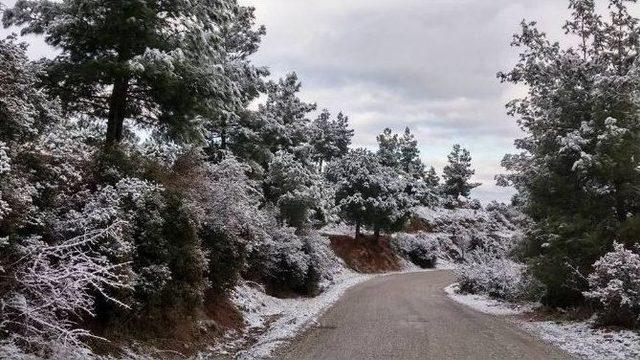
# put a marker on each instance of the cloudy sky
(427, 64)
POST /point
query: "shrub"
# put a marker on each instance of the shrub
(280, 261)
(615, 286)
(226, 257)
(421, 250)
(497, 277)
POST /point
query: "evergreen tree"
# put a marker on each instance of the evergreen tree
(431, 178)
(330, 139)
(388, 148)
(297, 191)
(400, 152)
(410, 161)
(369, 193)
(131, 60)
(577, 173)
(25, 109)
(282, 123)
(458, 172)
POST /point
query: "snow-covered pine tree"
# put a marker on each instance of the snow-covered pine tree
(431, 177)
(388, 148)
(282, 122)
(410, 161)
(370, 194)
(162, 63)
(458, 172)
(577, 172)
(401, 152)
(297, 190)
(330, 139)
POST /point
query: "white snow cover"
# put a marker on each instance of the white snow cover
(487, 305)
(579, 338)
(275, 320)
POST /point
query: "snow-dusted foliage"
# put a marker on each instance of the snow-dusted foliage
(283, 122)
(24, 109)
(54, 289)
(169, 65)
(615, 285)
(302, 197)
(280, 259)
(369, 193)
(420, 249)
(458, 231)
(501, 278)
(457, 173)
(330, 139)
(577, 172)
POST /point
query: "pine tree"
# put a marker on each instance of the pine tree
(282, 122)
(410, 161)
(330, 139)
(577, 173)
(296, 190)
(370, 194)
(458, 172)
(128, 59)
(25, 109)
(388, 148)
(431, 178)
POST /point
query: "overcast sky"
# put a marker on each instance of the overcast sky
(427, 64)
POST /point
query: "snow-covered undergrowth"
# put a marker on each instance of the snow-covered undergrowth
(580, 338)
(451, 234)
(270, 321)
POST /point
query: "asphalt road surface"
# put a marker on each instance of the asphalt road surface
(409, 316)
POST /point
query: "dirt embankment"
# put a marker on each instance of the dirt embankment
(365, 254)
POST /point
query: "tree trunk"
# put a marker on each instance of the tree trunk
(117, 110)
(223, 139)
(376, 233)
(357, 229)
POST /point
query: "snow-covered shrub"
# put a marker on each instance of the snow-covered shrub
(324, 263)
(501, 278)
(282, 261)
(463, 230)
(54, 289)
(420, 249)
(615, 285)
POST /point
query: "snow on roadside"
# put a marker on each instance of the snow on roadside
(579, 338)
(486, 305)
(582, 339)
(275, 321)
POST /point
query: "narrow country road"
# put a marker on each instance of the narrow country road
(409, 316)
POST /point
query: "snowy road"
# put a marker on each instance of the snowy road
(408, 316)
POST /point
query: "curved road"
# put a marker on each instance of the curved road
(408, 316)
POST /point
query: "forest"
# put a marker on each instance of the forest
(151, 167)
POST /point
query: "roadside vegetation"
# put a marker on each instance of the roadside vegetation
(577, 176)
(150, 171)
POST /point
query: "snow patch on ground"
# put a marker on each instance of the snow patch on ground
(270, 321)
(585, 341)
(487, 305)
(579, 338)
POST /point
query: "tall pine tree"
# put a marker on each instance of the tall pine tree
(168, 63)
(458, 172)
(577, 172)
